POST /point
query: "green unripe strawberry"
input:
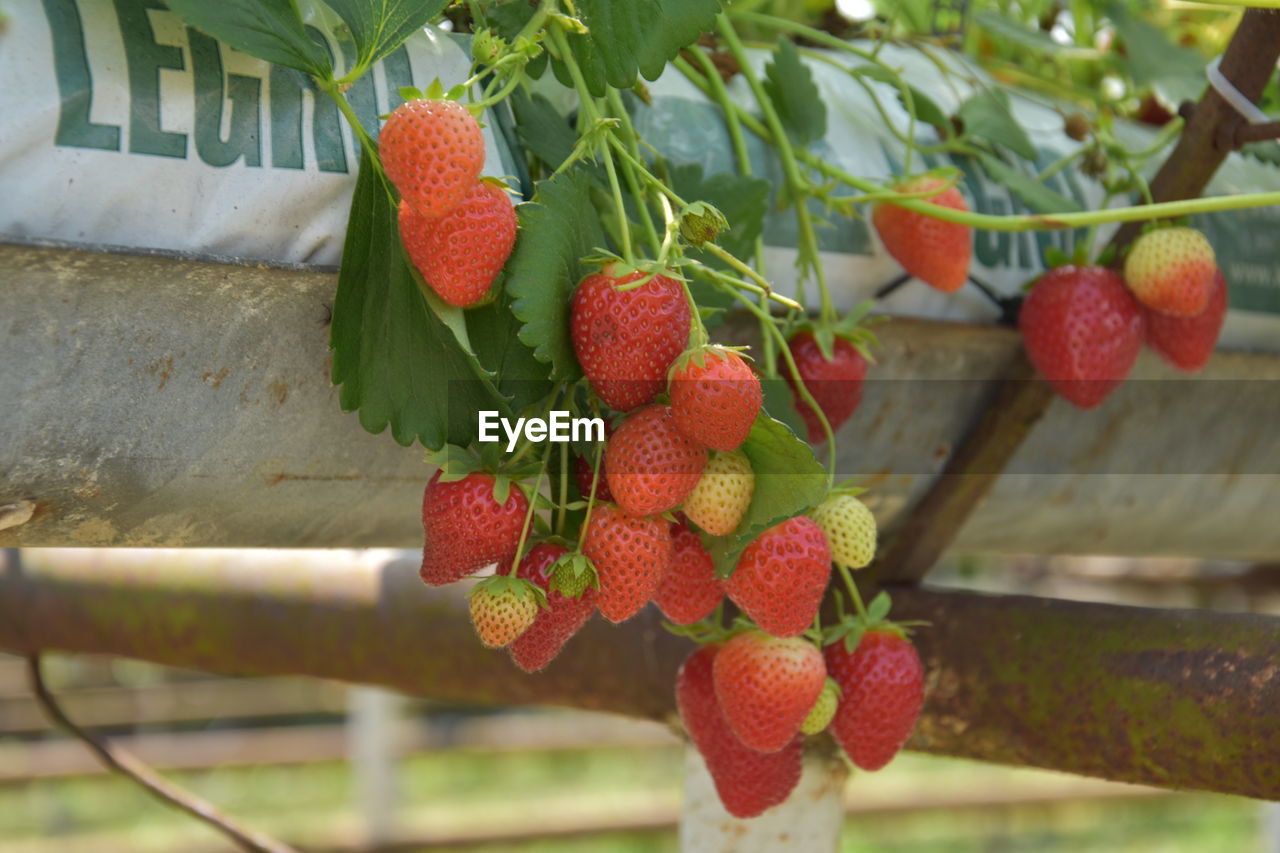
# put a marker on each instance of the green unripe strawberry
(823, 710)
(850, 529)
(503, 608)
(723, 493)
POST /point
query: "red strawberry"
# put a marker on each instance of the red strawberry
(934, 251)
(781, 575)
(690, 589)
(747, 781)
(559, 620)
(715, 397)
(883, 690)
(466, 528)
(625, 340)
(1083, 331)
(767, 686)
(836, 385)
(433, 152)
(650, 463)
(461, 253)
(630, 555)
(1187, 342)
(1171, 270)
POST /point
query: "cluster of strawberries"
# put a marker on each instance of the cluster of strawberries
(674, 470)
(1083, 326)
(771, 681)
(457, 228)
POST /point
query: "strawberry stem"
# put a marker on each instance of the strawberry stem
(793, 370)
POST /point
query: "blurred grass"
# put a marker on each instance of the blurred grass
(449, 792)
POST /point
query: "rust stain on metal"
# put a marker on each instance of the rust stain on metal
(163, 368)
(215, 379)
(279, 391)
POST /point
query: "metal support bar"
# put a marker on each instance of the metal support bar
(1183, 699)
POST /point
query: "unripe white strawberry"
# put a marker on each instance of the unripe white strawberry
(850, 529)
(723, 493)
(1171, 270)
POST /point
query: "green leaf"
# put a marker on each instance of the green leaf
(396, 362)
(380, 26)
(986, 116)
(1034, 194)
(543, 131)
(1024, 36)
(268, 29)
(629, 36)
(789, 84)
(557, 229)
(780, 403)
(927, 110)
(522, 379)
(1174, 71)
(789, 480)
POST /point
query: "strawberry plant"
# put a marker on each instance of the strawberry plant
(592, 282)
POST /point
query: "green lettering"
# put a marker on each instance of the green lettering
(75, 83)
(145, 59)
(398, 73)
(243, 140)
(287, 87)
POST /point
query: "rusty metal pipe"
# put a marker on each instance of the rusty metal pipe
(1182, 699)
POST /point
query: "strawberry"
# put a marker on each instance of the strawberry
(850, 529)
(582, 472)
(433, 152)
(1171, 271)
(466, 528)
(934, 251)
(625, 340)
(882, 681)
(836, 385)
(461, 253)
(715, 397)
(781, 575)
(559, 620)
(1083, 331)
(823, 710)
(1187, 342)
(723, 493)
(690, 589)
(747, 781)
(651, 465)
(503, 608)
(630, 555)
(766, 687)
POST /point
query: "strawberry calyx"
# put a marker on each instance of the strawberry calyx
(697, 356)
(854, 328)
(850, 628)
(509, 586)
(701, 223)
(572, 574)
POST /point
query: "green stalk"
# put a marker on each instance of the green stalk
(628, 170)
(785, 350)
(790, 169)
(528, 516)
(1012, 222)
(720, 94)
